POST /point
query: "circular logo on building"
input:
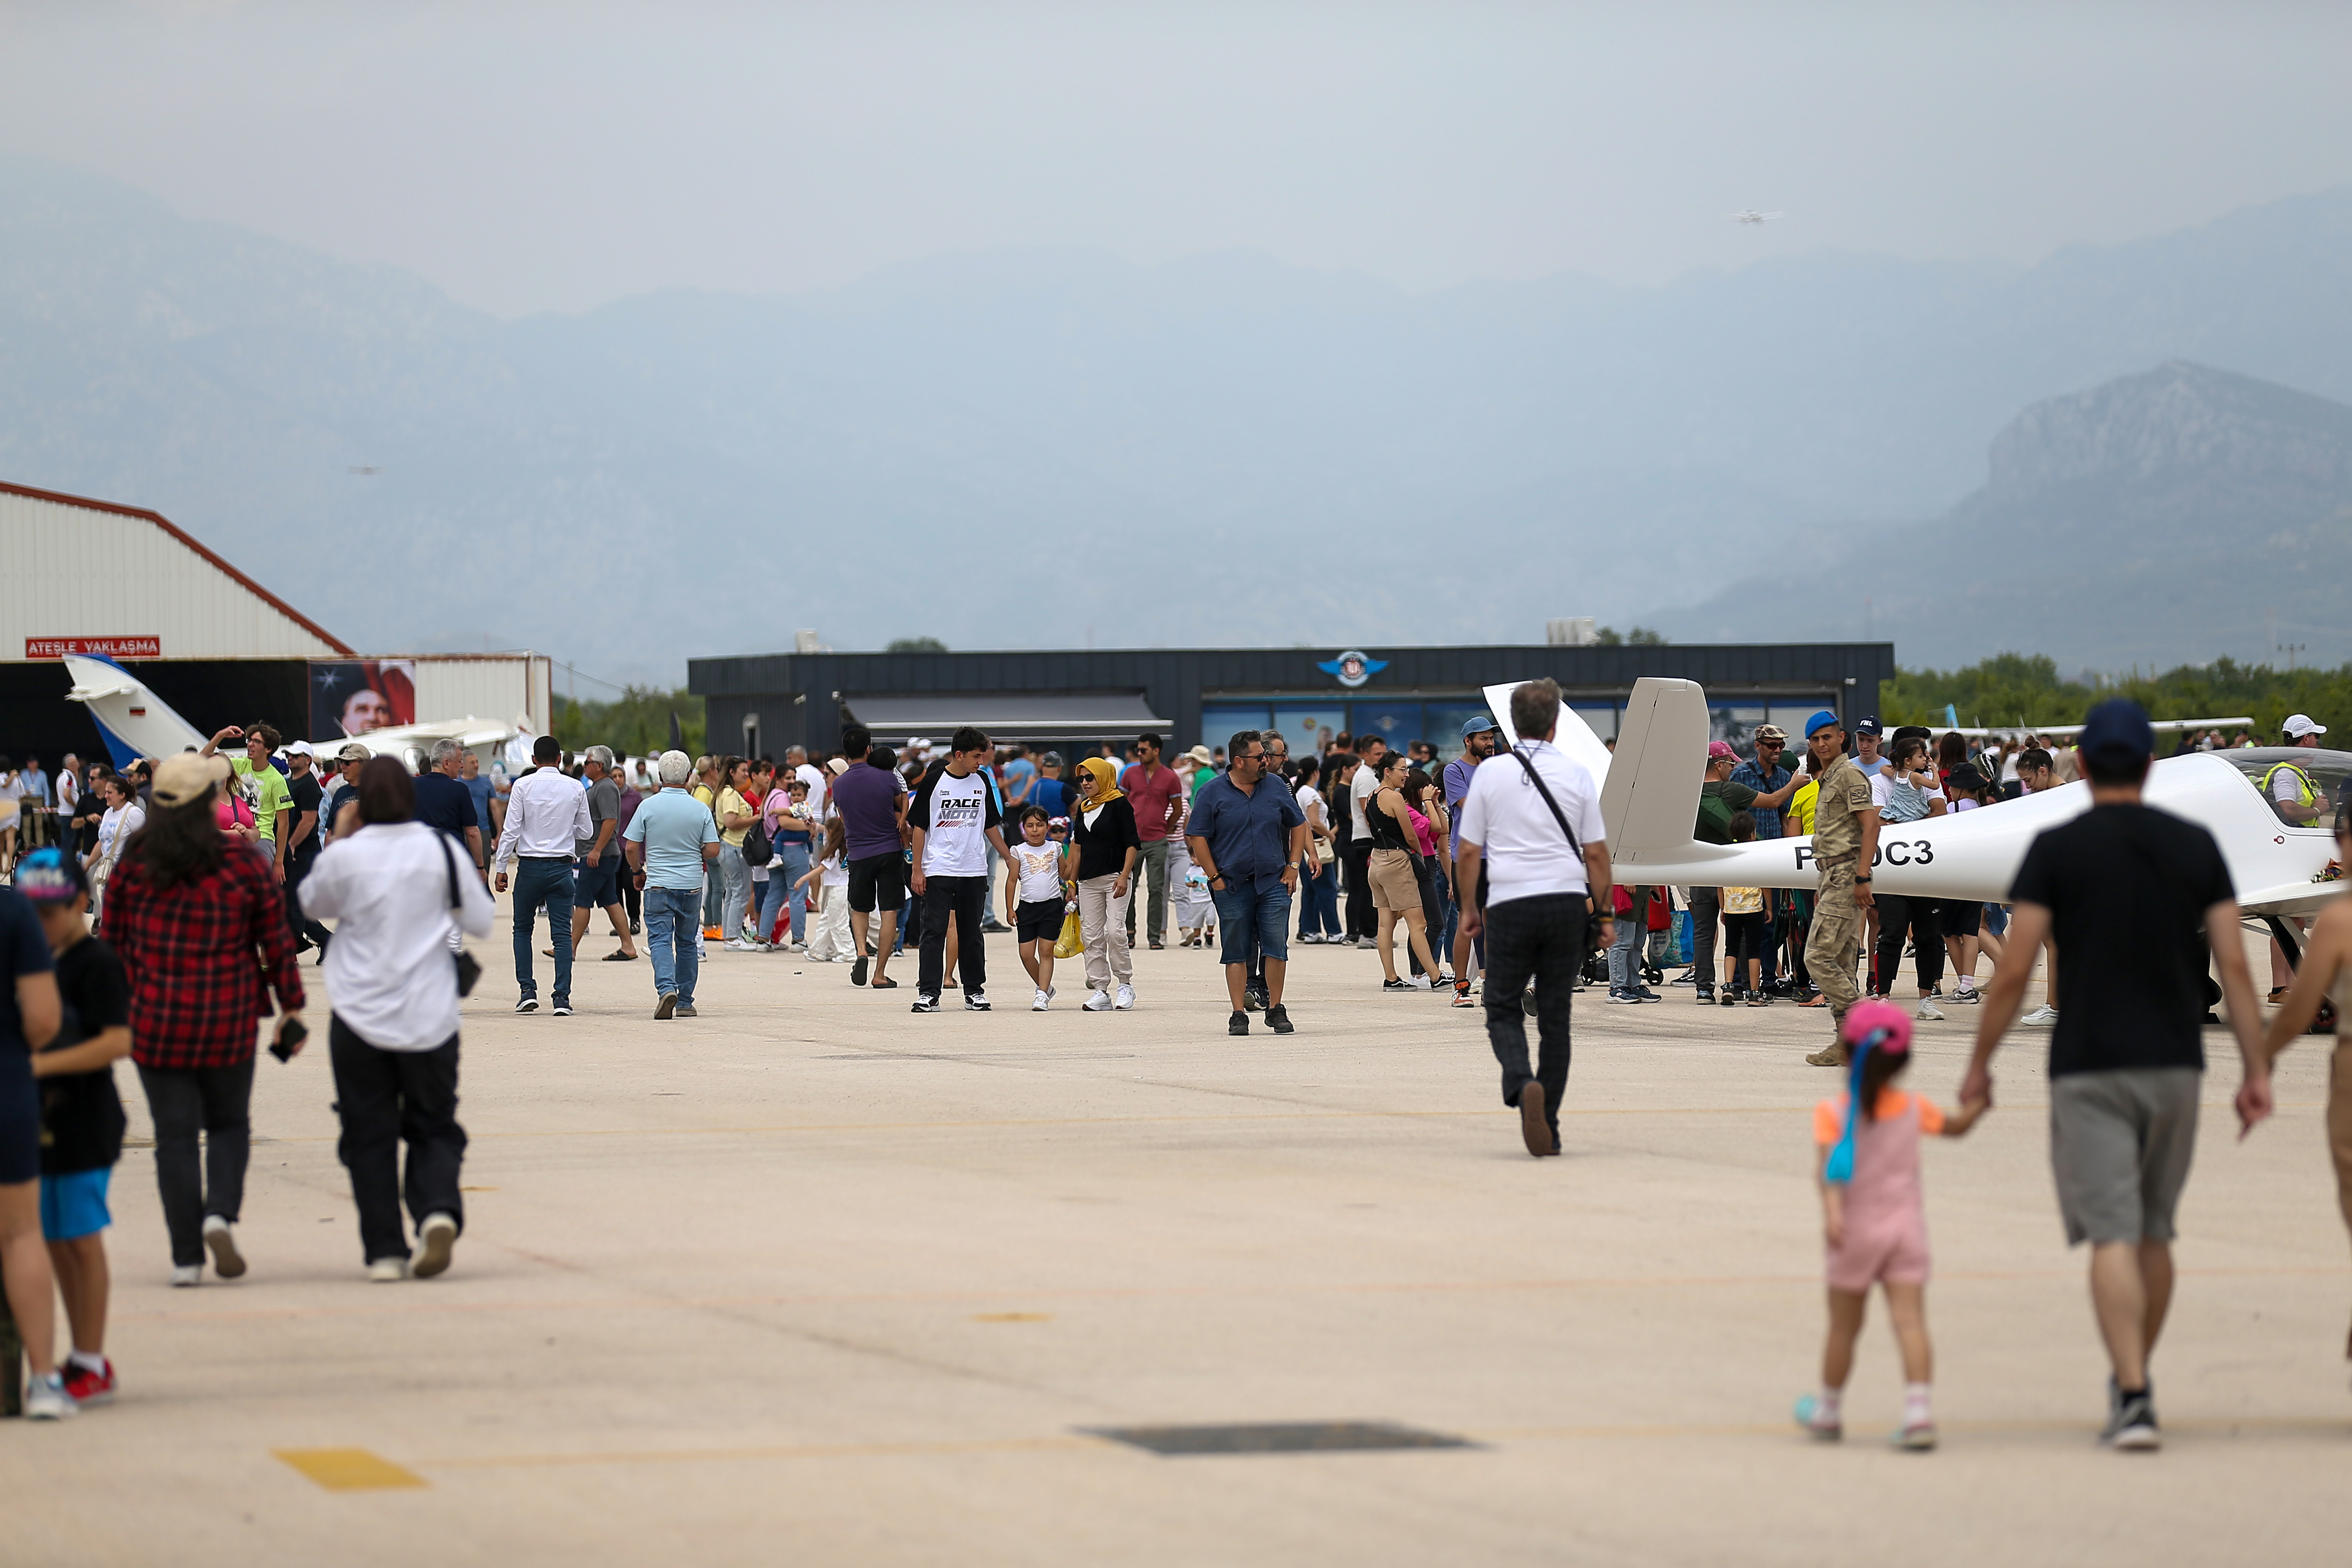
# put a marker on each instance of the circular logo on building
(1353, 667)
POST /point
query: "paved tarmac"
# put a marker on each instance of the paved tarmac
(810, 1280)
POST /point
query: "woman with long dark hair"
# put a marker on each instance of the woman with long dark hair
(199, 921)
(1395, 872)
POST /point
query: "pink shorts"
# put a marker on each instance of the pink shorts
(1892, 1248)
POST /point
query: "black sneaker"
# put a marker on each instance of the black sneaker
(924, 1004)
(527, 1005)
(1253, 999)
(858, 971)
(1706, 996)
(1277, 1017)
(1398, 986)
(2131, 1421)
(1238, 1024)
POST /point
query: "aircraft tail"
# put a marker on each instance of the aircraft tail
(1651, 799)
(132, 721)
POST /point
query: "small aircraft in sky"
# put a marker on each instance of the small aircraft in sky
(366, 470)
(1650, 793)
(1752, 217)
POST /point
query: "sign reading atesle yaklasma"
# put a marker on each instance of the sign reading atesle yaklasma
(105, 647)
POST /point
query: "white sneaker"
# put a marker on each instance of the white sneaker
(1097, 1002)
(1038, 1004)
(435, 1238)
(1929, 1010)
(388, 1271)
(738, 946)
(45, 1399)
(186, 1274)
(220, 1238)
(1419, 982)
(2041, 1018)
(1126, 1003)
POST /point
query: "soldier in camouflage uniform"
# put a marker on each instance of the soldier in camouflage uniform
(1845, 846)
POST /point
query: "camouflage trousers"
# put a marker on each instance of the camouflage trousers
(1836, 940)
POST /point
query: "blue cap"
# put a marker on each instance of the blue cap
(2116, 727)
(1478, 725)
(47, 876)
(1825, 719)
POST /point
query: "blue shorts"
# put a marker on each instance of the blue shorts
(1258, 909)
(596, 886)
(74, 1205)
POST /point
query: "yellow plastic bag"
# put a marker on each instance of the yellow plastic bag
(1072, 941)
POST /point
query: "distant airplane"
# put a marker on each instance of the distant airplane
(367, 470)
(1752, 217)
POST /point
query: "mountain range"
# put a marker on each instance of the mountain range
(1037, 447)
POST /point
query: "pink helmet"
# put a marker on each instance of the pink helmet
(1881, 1025)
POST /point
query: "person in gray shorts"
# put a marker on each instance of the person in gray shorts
(2136, 898)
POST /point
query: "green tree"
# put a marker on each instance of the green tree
(636, 722)
(2026, 689)
(915, 646)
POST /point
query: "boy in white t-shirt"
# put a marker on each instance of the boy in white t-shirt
(1036, 901)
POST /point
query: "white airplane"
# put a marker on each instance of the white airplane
(134, 722)
(1752, 217)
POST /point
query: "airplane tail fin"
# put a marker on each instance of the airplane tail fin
(1651, 799)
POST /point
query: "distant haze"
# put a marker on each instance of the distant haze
(557, 157)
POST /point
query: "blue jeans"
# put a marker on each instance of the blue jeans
(672, 925)
(543, 884)
(734, 890)
(1624, 952)
(1319, 899)
(784, 873)
(1252, 916)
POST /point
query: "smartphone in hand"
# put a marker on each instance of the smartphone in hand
(282, 1047)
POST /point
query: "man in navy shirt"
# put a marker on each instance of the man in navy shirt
(1248, 833)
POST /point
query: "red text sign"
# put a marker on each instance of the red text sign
(111, 647)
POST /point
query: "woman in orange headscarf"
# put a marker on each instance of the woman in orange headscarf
(1101, 861)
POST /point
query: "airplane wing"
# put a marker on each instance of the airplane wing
(2299, 898)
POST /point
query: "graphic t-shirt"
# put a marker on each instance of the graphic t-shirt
(1039, 867)
(81, 1115)
(867, 799)
(271, 795)
(955, 815)
(2126, 888)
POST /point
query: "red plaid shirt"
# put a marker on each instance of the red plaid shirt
(202, 959)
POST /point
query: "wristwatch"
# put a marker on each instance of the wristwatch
(1862, 878)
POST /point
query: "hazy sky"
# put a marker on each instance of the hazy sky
(532, 157)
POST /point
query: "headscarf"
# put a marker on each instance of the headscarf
(1105, 773)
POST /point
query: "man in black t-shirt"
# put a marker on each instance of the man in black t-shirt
(309, 798)
(2135, 898)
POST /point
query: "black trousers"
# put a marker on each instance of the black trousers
(1897, 914)
(1542, 936)
(185, 1101)
(1359, 887)
(963, 898)
(385, 1098)
(305, 929)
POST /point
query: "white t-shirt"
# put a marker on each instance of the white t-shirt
(1040, 868)
(1362, 789)
(119, 823)
(955, 815)
(837, 873)
(1308, 796)
(1527, 854)
(811, 775)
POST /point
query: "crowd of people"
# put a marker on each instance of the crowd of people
(159, 912)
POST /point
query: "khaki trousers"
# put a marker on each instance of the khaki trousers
(1102, 922)
(1836, 936)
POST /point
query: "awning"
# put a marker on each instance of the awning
(1004, 716)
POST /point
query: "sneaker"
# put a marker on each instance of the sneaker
(1277, 1018)
(388, 1271)
(1626, 998)
(527, 1004)
(563, 1009)
(858, 971)
(45, 1399)
(1125, 1001)
(1396, 984)
(435, 1238)
(1928, 1010)
(975, 1001)
(1097, 1002)
(1253, 999)
(685, 1011)
(1053, 991)
(739, 946)
(1644, 994)
(1238, 1024)
(1533, 1129)
(1829, 1056)
(712, 934)
(1706, 995)
(924, 1004)
(1918, 1436)
(186, 1274)
(1682, 980)
(1420, 983)
(2131, 1421)
(220, 1238)
(667, 1006)
(1728, 998)
(1817, 1421)
(1965, 995)
(636, 927)
(1461, 998)
(87, 1385)
(1037, 1003)
(2045, 1016)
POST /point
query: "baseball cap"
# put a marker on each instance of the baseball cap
(2117, 728)
(354, 752)
(47, 876)
(185, 777)
(2299, 724)
(1869, 727)
(1478, 725)
(1770, 732)
(1825, 719)
(300, 749)
(837, 766)
(1720, 749)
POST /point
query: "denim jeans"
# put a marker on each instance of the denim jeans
(671, 929)
(734, 888)
(1253, 920)
(543, 884)
(1624, 961)
(1319, 898)
(1151, 890)
(784, 873)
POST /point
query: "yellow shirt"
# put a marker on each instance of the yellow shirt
(1800, 807)
(731, 804)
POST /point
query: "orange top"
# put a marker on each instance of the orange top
(1829, 1116)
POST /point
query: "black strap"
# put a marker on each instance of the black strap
(450, 861)
(1557, 814)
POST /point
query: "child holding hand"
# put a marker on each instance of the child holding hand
(1873, 1216)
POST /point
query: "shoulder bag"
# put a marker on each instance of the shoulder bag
(469, 969)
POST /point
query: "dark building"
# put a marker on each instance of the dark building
(763, 704)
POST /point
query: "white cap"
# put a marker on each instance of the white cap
(300, 749)
(2299, 724)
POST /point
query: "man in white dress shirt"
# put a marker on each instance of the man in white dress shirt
(1540, 846)
(547, 816)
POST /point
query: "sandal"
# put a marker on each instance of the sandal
(882, 986)
(620, 958)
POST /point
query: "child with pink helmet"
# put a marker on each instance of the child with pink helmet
(1873, 1216)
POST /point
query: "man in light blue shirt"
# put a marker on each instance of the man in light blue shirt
(670, 840)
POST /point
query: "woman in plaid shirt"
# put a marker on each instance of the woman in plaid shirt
(198, 919)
